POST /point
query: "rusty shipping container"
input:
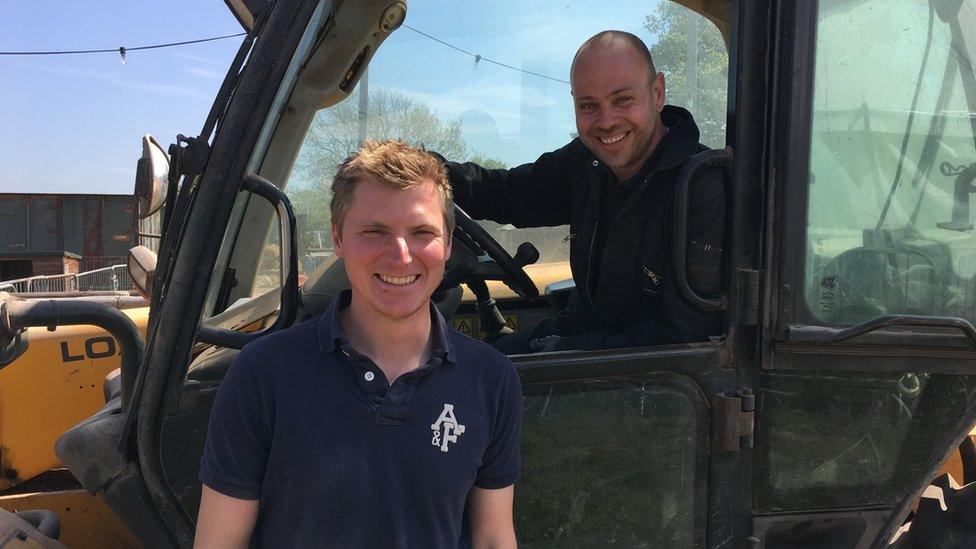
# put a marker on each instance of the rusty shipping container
(47, 234)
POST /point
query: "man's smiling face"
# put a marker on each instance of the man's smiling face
(394, 246)
(618, 108)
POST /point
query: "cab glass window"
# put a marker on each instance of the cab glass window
(613, 463)
(892, 161)
(488, 82)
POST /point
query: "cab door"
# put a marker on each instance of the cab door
(652, 447)
(616, 448)
(869, 351)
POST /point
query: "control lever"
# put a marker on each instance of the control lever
(458, 274)
(526, 254)
(490, 319)
(960, 204)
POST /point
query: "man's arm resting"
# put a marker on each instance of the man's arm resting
(224, 521)
(530, 195)
(490, 513)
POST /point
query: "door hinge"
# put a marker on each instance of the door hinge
(749, 296)
(734, 420)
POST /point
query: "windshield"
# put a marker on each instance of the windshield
(488, 82)
(892, 161)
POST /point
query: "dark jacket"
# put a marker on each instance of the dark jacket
(634, 300)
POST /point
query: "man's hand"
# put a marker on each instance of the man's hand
(544, 344)
(490, 513)
(224, 521)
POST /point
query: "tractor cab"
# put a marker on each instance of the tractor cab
(843, 378)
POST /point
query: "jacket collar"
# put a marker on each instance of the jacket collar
(681, 141)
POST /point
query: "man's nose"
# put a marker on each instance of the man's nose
(400, 249)
(606, 119)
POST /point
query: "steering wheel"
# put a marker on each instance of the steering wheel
(503, 267)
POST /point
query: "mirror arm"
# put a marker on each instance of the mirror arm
(721, 158)
(289, 290)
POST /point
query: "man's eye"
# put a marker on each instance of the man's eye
(624, 100)
(584, 107)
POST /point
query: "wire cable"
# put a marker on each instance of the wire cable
(124, 49)
(478, 57)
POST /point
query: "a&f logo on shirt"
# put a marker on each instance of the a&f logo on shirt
(446, 428)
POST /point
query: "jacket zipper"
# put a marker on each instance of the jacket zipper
(589, 265)
(596, 232)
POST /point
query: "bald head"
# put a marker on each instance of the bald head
(611, 40)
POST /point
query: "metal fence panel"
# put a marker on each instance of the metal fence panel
(109, 278)
(113, 278)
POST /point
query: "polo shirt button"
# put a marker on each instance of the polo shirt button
(369, 376)
(596, 163)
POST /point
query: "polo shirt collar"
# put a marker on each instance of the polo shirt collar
(331, 334)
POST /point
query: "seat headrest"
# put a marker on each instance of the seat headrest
(325, 282)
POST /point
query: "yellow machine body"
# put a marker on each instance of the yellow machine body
(55, 384)
(85, 520)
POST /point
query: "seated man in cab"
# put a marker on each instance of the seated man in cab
(614, 187)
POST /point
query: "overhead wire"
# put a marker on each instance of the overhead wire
(123, 49)
(478, 57)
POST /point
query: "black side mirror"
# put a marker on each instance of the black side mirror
(289, 290)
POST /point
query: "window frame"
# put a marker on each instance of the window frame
(792, 322)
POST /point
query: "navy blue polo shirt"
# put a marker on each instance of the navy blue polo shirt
(340, 458)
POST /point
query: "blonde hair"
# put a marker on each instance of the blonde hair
(395, 164)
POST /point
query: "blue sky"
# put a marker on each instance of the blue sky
(73, 123)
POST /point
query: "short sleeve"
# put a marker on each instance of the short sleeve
(239, 436)
(502, 460)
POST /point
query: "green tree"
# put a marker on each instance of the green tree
(335, 134)
(674, 25)
(487, 162)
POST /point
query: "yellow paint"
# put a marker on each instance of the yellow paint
(42, 395)
(542, 274)
(954, 464)
(85, 519)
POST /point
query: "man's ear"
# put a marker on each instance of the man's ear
(336, 240)
(657, 91)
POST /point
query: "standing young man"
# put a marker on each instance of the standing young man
(373, 425)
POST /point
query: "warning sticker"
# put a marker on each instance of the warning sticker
(463, 325)
(512, 321)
